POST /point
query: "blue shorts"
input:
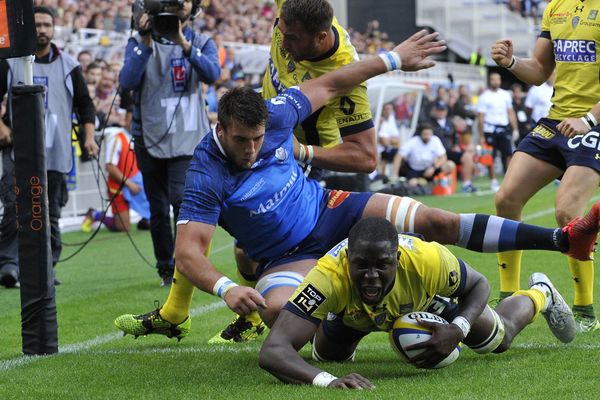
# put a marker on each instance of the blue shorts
(546, 143)
(339, 212)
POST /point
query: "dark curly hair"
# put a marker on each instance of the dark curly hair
(373, 229)
(244, 106)
(314, 15)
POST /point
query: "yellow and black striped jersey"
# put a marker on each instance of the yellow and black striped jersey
(425, 269)
(343, 115)
(573, 26)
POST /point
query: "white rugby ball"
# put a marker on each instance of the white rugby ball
(406, 331)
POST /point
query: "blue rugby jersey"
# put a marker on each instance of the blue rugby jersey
(269, 208)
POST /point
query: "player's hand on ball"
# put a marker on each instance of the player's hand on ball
(444, 339)
(352, 381)
(415, 50)
(572, 126)
(243, 300)
(502, 52)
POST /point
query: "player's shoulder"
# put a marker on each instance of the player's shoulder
(417, 254)
(345, 52)
(209, 162)
(292, 96)
(281, 107)
(413, 140)
(338, 252)
(411, 242)
(556, 4)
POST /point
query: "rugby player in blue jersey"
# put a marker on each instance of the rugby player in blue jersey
(244, 177)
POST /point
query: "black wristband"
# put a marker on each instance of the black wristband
(589, 121)
(512, 63)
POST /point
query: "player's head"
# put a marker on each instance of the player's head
(242, 122)
(425, 131)
(495, 81)
(373, 258)
(439, 110)
(306, 28)
(387, 110)
(44, 26)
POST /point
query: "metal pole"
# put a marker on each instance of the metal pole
(27, 62)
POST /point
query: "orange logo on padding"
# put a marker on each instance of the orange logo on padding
(4, 35)
(337, 197)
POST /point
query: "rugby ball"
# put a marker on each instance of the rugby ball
(406, 331)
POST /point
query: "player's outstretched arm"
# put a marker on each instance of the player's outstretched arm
(193, 238)
(279, 356)
(534, 70)
(410, 55)
(356, 153)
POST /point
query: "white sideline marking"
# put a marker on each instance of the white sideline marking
(543, 213)
(222, 248)
(363, 347)
(13, 363)
(208, 349)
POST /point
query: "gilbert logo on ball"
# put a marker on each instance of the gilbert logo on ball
(406, 331)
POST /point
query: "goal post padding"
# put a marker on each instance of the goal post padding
(39, 328)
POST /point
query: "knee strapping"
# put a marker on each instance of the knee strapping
(495, 338)
(278, 279)
(401, 211)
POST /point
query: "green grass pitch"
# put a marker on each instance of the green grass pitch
(108, 279)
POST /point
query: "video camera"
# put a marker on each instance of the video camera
(162, 23)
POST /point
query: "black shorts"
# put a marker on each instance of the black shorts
(389, 153)
(409, 173)
(454, 156)
(501, 141)
(546, 143)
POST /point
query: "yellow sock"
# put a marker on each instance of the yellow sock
(583, 281)
(244, 281)
(253, 317)
(177, 307)
(538, 298)
(509, 265)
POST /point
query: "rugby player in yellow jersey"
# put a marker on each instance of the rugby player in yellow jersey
(372, 278)
(566, 143)
(307, 42)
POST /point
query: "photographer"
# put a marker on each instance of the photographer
(165, 67)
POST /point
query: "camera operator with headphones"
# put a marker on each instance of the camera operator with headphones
(165, 65)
